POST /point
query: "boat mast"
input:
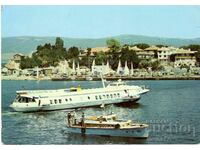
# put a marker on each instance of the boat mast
(102, 80)
(37, 73)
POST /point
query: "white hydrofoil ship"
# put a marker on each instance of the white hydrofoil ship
(47, 100)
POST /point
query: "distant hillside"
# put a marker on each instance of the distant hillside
(27, 44)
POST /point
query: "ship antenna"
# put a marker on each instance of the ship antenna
(102, 80)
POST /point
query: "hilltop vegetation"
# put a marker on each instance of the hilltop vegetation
(27, 44)
(51, 54)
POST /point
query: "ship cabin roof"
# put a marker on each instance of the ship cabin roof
(118, 83)
(103, 118)
(107, 122)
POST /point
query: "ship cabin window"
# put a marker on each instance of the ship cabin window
(118, 94)
(96, 97)
(121, 84)
(55, 101)
(73, 89)
(66, 100)
(104, 96)
(99, 96)
(33, 99)
(18, 97)
(111, 96)
(88, 97)
(70, 99)
(25, 100)
(107, 96)
(60, 101)
(51, 102)
(115, 95)
(113, 84)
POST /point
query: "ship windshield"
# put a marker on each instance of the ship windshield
(113, 84)
(25, 99)
(73, 90)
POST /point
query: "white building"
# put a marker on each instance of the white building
(164, 53)
(13, 64)
(184, 57)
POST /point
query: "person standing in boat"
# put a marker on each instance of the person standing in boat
(74, 118)
(83, 119)
(69, 119)
(83, 127)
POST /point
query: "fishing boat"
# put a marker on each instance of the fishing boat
(108, 125)
(76, 97)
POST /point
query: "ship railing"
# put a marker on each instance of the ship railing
(144, 87)
(40, 91)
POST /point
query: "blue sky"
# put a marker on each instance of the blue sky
(101, 21)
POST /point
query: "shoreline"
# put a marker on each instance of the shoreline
(99, 79)
(132, 78)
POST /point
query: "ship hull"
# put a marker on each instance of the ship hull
(25, 109)
(50, 100)
(75, 105)
(89, 104)
(124, 132)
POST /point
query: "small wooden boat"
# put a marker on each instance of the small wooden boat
(106, 126)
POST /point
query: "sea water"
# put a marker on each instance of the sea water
(171, 108)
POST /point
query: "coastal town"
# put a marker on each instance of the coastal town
(167, 62)
(100, 74)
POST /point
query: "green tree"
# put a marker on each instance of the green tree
(129, 56)
(192, 47)
(172, 57)
(155, 65)
(46, 55)
(113, 44)
(160, 45)
(84, 61)
(197, 55)
(113, 54)
(144, 64)
(59, 43)
(26, 62)
(73, 52)
(142, 45)
(89, 51)
(100, 58)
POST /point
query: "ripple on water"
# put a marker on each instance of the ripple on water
(169, 104)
